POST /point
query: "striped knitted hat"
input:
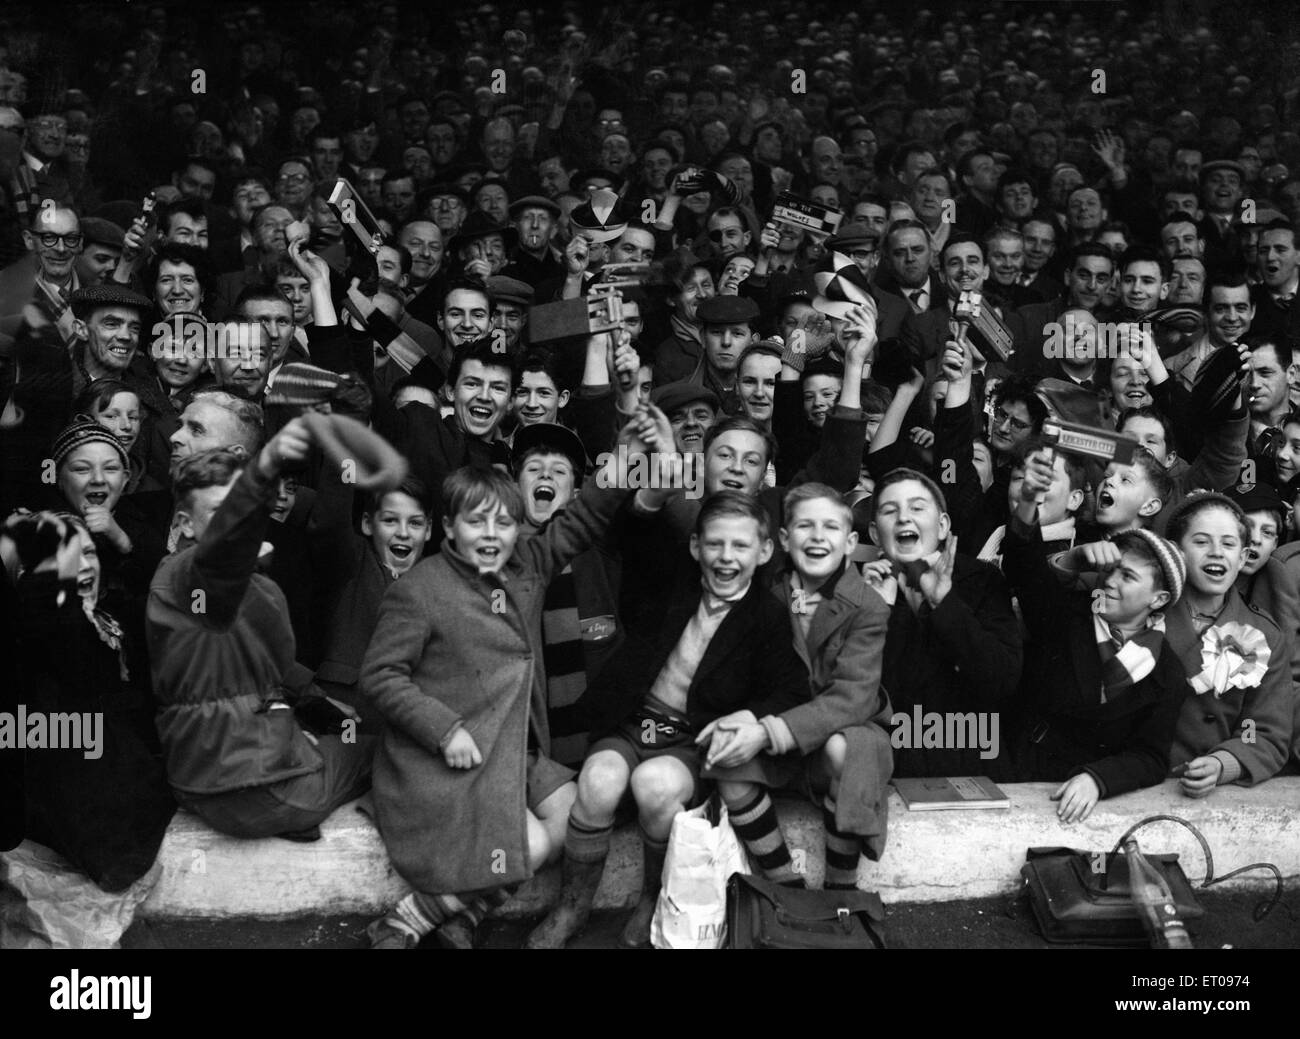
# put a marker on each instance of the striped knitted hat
(302, 384)
(85, 431)
(1170, 557)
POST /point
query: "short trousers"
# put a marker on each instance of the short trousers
(290, 804)
(543, 778)
(652, 733)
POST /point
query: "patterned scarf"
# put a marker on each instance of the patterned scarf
(1124, 663)
(109, 632)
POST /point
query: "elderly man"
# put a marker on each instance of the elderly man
(500, 151)
(424, 241)
(535, 260)
(827, 162)
(511, 299)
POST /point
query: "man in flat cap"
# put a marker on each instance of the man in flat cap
(101, 251)
(511, 299)
(861, 243)
(107, 320)
(728, 331)
(535, 260)
(1222, 187)
(692, 410)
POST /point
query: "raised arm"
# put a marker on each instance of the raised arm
(226, 556)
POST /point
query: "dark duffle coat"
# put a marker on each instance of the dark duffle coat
(455, 646)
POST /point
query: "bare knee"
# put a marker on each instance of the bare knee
(833, 755)
(541, 844)
(601, 786)
(734, 793)
(662, 787)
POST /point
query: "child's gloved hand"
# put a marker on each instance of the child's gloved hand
(1078, 796)
(461, 751)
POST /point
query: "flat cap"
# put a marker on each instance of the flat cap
(857, 232)
(548, 437)
(534, 202)
(510, 290)
(84, 301)
(101, 232)
(727, 310)
(678, 394)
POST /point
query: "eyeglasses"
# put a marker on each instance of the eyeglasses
(51, 241)
(292, 178)
(1003, 418)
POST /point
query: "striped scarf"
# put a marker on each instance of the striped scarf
(1124, 663)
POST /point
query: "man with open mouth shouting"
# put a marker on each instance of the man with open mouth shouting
(482, 382)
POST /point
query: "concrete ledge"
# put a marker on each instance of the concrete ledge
(931, 856)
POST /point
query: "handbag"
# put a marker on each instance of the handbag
(703, 851)
(764, 915)
(1075, 902)
(1084, 897)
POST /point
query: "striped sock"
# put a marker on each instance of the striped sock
(842, 851)
(478, 906)
(756, 824)
(418, 914)
(584, 843)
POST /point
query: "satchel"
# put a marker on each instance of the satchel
(764, 915)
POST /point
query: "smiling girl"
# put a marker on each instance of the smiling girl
(1235, 726)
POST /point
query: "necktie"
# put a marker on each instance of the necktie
(915, 297)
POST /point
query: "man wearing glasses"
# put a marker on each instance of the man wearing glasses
(294, 184)
(447, 207)
(53, 242)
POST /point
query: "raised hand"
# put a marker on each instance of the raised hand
(1109, 147)
(312, 267)
(936, 582)
(879, 577)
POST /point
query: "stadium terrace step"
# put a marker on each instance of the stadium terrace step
(931, 856)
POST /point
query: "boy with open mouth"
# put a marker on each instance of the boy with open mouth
(1104, 685)
(467, 797)
(953, 643)
(834, 748)
(723, 646)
